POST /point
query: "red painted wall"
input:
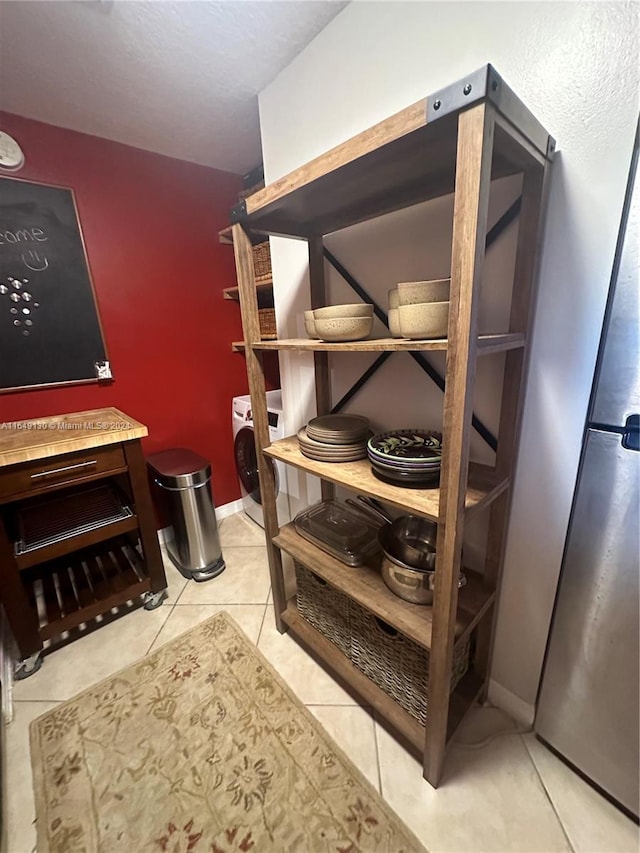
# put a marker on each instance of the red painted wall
(150, 225)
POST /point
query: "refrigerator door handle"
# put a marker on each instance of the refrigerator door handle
(631, 434)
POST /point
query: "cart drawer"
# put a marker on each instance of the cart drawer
(36, 477)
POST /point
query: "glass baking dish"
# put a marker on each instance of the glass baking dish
(339, 531)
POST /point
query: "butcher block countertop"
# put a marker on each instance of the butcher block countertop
(27, 441)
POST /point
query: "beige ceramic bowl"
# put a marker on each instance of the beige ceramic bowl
(394, 323)
(310, 325)
(417, 292)
(336, 329)
(393, 298)
(360, 309)
(426, 320)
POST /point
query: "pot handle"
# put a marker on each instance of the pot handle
(374, 507)
(462, 580)
(370, 512)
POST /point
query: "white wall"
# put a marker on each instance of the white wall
(575, 66)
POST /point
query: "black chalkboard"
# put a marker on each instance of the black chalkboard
(49, 326)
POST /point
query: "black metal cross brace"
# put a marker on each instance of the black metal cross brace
(505, 220)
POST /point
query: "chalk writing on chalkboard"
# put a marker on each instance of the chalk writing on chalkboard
(50, 329)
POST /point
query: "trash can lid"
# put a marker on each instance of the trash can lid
(179, 468)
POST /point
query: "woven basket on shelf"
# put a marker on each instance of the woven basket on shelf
(395, 663)
(267, 318)
(323, 607)
(262, 261)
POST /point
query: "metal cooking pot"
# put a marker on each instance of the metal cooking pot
(411, 584)
(409, 553)
(409, 539)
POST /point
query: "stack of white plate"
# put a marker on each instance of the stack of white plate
(335, 438)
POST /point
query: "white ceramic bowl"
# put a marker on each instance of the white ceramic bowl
(338, 329)
(393, 297)
(361, 309)
(310, 325)
(417, 292)
(425, 320)
(394, 323)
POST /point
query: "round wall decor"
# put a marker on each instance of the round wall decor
(11, 156)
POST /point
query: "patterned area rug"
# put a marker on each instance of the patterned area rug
(201, 748)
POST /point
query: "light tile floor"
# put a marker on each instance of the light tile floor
(510, 795)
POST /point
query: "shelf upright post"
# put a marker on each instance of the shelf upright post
(257, 388)
(535, 182)
(320, 359)
(137, 471)
(472, 186)
(21, 617)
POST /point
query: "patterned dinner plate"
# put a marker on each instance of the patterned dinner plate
(406, 445)
(428, 466)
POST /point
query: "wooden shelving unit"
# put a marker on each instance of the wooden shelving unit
(233, 293)
(263, 288)
(365, 585)
(456, 140)
(486, 345)
(482, 489)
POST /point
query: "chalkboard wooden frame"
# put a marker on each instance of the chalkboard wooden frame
(75, 325)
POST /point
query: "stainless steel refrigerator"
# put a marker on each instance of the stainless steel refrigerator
(588, 705)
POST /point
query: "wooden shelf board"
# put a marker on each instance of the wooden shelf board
(96, 588)
(407, 158)
(240, 346)
(364, 584)
(225, 236)
(487, 344)
(66, 623)
(369, 177)
(484, 486)
(232, 292)
(372, 695)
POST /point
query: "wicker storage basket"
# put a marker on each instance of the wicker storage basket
(395, 663)
(267, 318)
(262, 261)
(323, 607)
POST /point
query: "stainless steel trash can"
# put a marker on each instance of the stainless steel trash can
(182, 479)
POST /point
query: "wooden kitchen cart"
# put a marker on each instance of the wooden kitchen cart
(77, 528)
(455, 141)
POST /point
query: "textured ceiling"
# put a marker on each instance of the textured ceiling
(179, 78)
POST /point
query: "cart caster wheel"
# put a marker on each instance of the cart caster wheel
(28, 666)
(154, 599)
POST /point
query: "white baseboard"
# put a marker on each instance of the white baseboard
(223, 511)
(226, 510)
(514, 706)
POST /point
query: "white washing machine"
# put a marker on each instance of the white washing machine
(245, 456)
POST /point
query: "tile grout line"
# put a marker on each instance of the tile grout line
(548, 795)
(160, 629)
(180, 594)
(264, 616)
